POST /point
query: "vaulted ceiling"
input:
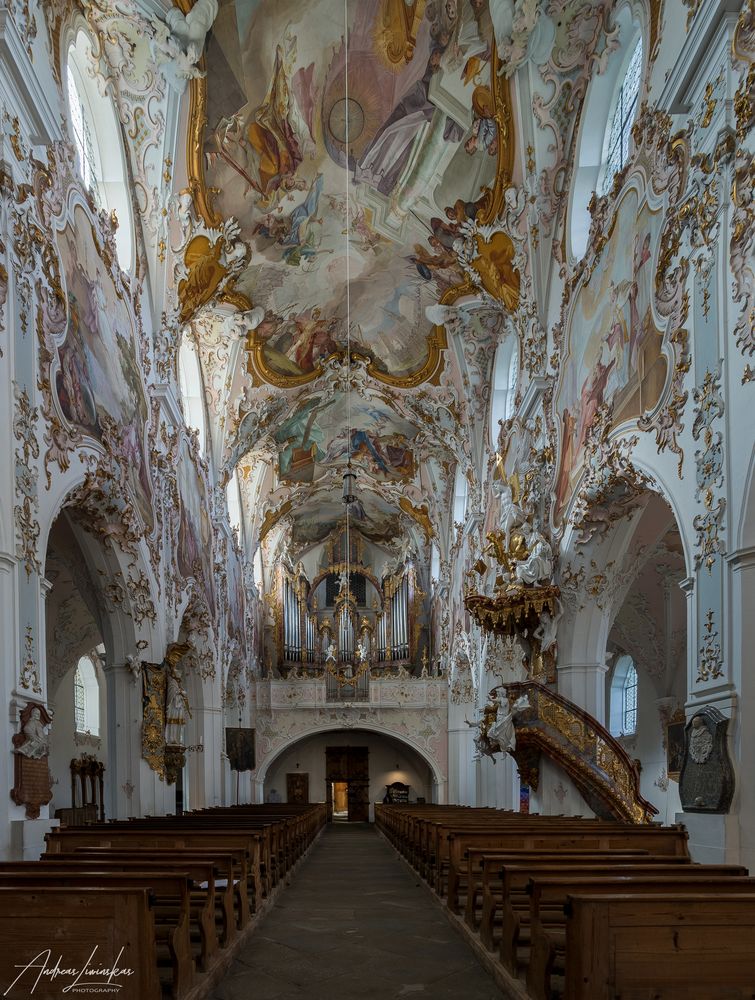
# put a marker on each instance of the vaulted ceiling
(362, 148)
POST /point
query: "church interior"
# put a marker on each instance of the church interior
(377, 508)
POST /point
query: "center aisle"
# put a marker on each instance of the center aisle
(355, 924)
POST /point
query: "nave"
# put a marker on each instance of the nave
(355, 924)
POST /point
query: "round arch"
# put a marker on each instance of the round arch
(439, 779)
(591, 625)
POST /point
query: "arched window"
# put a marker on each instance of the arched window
(234, 502)
(605, 126)
(96, 134)
(616, 147)
(461, 488)
(86, 697)
(505, 376)
(434, 562)
(623, 706)
(192, 393)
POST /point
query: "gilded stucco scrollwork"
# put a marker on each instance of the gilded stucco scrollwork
(710, 662)
(709, 409)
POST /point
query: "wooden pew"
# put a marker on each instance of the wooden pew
(677, 947)
(219, 842)
(69, 923)
(500, 866)
(204, 906)
(594, 834)
(548, 893)
(480, 859)
(548, 896)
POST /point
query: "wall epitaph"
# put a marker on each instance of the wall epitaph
(31, 746)
(706, 783)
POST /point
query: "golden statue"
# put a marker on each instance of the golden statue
(205, 273)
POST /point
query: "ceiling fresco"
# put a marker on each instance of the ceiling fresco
(316, 437)
(420, 114)
(314, 520)
(364, 150)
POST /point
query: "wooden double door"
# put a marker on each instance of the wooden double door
(349, 765)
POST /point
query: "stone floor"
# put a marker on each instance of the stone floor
(355, 924)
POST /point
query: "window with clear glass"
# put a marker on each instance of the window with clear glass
(86, 697)
(623, 697)
(79, 701)
(95, 129)
(82, 136)
(629, 702)
(620, 128)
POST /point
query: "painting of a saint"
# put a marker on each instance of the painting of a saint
(617, 359)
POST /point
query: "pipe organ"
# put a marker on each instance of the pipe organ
(383, 623)
(399, 611)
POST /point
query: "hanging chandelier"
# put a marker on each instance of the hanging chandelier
(348, 672)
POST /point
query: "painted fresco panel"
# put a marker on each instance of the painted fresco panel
(99, 373)
(316, 437)
(275, 150)
(195, 531)
(615, 347)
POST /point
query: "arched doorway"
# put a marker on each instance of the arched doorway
(388, 759)
(622, 649)
(76, 683)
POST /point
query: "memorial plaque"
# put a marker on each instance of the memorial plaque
(706, 784)
(31, 784)
(239, 745)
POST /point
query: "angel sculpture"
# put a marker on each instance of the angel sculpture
(502, 730)
(330, 654)
(177, 43)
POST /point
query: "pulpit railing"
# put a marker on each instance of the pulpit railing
(605, 774)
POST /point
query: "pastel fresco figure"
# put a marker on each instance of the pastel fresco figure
(568, 426)
(636, 326)
(591, 399)
(484, 129)
(267, 152)
(386, 156)
(314, 340)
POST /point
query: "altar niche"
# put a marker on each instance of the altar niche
(347, 783)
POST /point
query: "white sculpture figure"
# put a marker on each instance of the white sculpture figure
(502, 731)
(134, 665)
(343, 583)
(330, 654)
(539, 563)
(546, 631)
(177, 44)
(37, 742)
(511, 514)
(522, 33)
(361, 653)
(176, 709)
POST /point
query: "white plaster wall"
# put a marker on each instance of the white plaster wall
(556, 794)
(384, 755)
(647, 747)
(63, 748)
